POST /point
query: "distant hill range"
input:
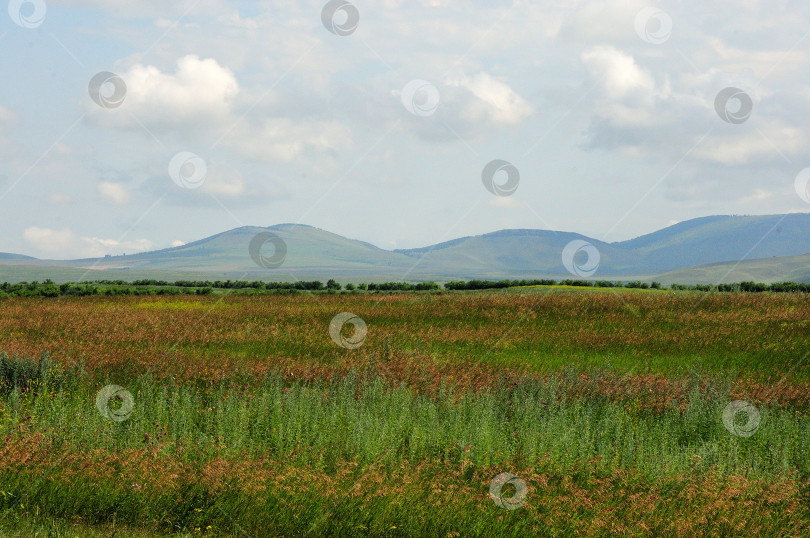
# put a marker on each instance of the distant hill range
(714, 249)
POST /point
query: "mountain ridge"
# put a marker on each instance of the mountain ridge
(505, 253)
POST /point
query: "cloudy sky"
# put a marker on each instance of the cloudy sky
(375, 120)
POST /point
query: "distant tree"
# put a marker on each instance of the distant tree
(350, 286)
(332, 285)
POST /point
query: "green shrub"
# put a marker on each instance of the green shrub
(27, 373)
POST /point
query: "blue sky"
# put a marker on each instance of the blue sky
(606, 109)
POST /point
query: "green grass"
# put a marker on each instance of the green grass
(257, 424)
(363, 424)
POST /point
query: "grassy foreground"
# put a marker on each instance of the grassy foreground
(606, 410)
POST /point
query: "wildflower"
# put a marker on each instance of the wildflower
(136, 485)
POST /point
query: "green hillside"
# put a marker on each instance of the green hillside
(312, 253)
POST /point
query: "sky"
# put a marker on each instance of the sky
(132, 125)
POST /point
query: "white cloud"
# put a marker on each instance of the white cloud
(199, 94)
(67, 245)
(620, 75)
(494, 101)
(203, 97)
(760, 146)
(113, 193)
(178, 243)
(284, 140)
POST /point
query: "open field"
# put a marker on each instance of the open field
(248, 419)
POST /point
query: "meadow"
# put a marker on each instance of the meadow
(610, 411)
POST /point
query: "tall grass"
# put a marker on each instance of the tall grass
(362, 419)
(69, 461)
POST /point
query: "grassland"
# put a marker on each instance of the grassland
(248, 419)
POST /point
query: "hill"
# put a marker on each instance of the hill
(695, 251)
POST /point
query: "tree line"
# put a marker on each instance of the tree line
(48, 288)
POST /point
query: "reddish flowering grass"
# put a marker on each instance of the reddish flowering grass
(575, 500)
(653, 340)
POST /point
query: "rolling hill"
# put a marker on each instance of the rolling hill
(771, 247)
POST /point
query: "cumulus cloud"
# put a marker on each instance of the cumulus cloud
(468, 107)
(495, 101)
(64, 244)
(201, 97)
(620, 75)
(113, 193)
(198, 94)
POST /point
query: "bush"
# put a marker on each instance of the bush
(26, 373)
(638, 285)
